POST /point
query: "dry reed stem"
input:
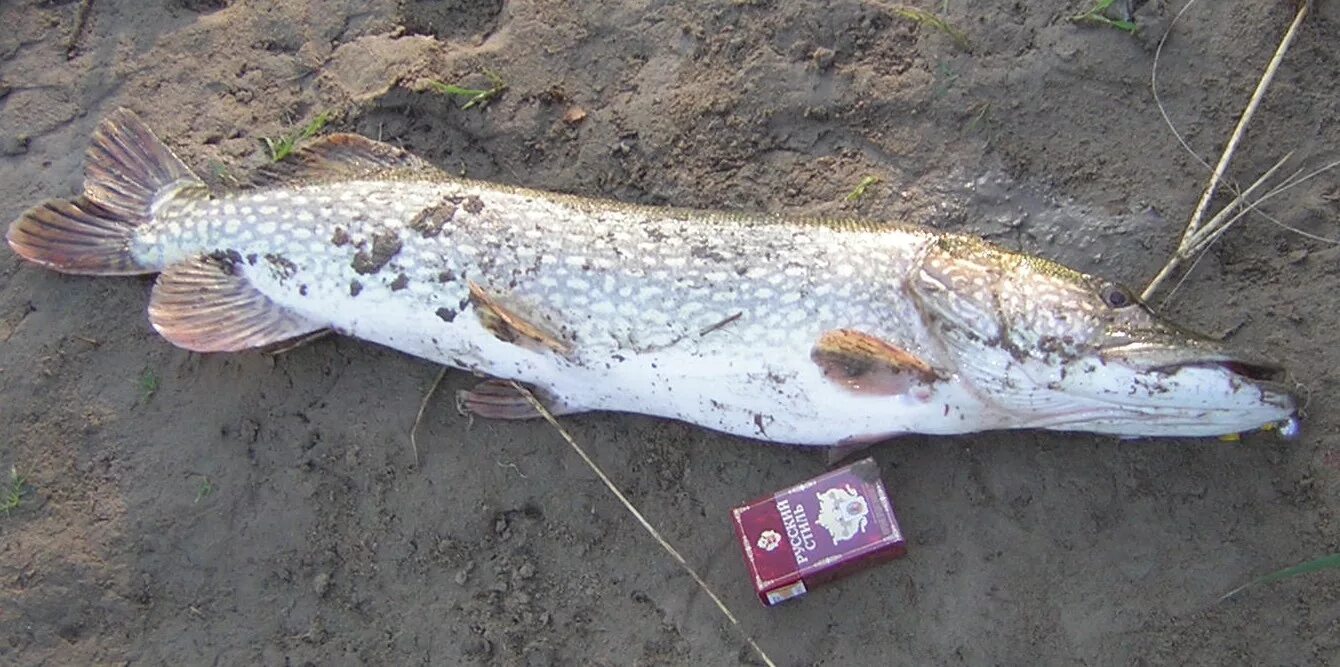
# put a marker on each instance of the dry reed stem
(1185, 246)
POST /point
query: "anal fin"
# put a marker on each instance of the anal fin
(202, 306)
(511, 327)
(849, 447)
(869, 365)
(842, 451)
(500, 399)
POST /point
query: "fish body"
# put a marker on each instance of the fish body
(634, 293)
(787, 330)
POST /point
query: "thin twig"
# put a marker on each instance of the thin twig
(720, 324)
(292, 344)
(1216, 225)
(413, 441)
(1227, 156)
(80, 22)
(1180, 281)
(1162, 275)
(1257, 96)
(549, 417)
(1289, 183)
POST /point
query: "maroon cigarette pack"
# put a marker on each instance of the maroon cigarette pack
(818, 530)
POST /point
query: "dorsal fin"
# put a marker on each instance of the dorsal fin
(342, 157)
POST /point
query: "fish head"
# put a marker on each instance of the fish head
(1051, 347)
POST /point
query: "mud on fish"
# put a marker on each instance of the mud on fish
(818, 332)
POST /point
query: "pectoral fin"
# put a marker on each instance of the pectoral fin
(868, 365)
(511, 327)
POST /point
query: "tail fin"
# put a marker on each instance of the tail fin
(127, 173)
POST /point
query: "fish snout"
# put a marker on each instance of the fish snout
(1241, 388)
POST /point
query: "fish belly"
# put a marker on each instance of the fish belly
(781, 397)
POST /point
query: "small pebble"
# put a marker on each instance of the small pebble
(539, 657)
(321, 583)
(477, 647)
(823, 57)
(574, 116)
(13, 145)
(463, 574)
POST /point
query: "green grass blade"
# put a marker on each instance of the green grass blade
(317, 124)
(1095, 15)
(923, 17)
(471, 97)
(14, 492)
(283, 147)
(859, 190)
(453, 89)
(1323, 563)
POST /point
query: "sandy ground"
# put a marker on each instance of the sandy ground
(244, 509)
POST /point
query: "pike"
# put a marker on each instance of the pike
(809, 332)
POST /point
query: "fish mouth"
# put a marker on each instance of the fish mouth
(1175, 388)
(1169, 358)
(1259, 371)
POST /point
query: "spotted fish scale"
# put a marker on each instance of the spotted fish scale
(632, 278)
(800, 331)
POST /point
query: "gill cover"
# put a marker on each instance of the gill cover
(955, 284)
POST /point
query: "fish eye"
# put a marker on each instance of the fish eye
(1116, 296)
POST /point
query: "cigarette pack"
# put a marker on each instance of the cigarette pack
(818, 530)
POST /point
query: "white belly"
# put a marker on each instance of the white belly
(774, 394)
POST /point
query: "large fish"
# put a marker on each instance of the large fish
(820, 332)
